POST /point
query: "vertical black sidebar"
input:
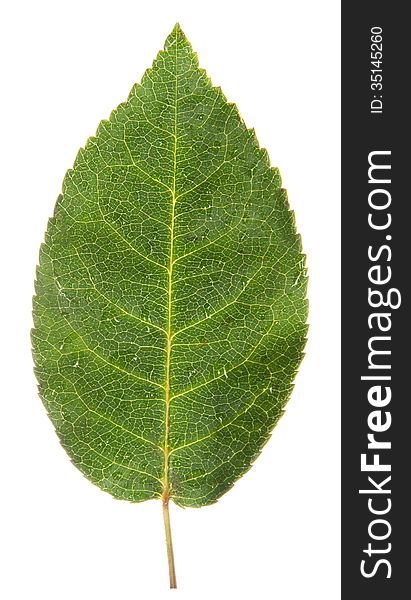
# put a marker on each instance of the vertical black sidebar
(376, 273)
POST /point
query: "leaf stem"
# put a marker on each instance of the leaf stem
(169, 543)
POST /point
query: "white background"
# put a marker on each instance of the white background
(276, 534)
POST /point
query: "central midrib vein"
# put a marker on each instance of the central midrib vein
(166, 490)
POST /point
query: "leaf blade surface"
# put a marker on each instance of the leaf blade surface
(170, 297)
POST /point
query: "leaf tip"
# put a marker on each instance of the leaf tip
(176, 35)
(177, 29)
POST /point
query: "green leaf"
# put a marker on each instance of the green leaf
(170, 296)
